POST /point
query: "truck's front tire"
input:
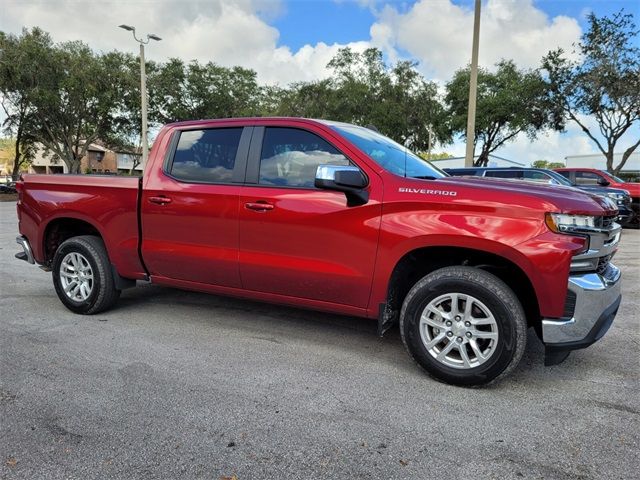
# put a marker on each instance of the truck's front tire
(82, 275)
(463, 325)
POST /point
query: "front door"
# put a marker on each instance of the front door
(297, 240)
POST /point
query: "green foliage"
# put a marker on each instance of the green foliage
(604, 84)
(74, 96)
(18, 68)
(364, 90)
(180, 91)
(435, 156)
(509, 102)
(547, 164)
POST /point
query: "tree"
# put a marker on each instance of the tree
(509, 102)
(364, 90)
(435, 156)
(603, 85)
(180, 91)
(17, 71)
(547, 164)
(73, 95)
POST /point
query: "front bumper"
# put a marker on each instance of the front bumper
(597, 298)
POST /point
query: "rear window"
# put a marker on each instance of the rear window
(206, 155)
(503, 173)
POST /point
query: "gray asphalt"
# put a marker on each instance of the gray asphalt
(174, 384)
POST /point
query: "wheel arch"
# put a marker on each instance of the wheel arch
(62, 228)
(420, 261)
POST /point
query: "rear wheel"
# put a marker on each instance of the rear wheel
(463, 325)
(82, 275)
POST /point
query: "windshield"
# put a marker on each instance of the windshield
(561, 179)
(390, 155)
(617, 179)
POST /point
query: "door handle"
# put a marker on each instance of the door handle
(259, 206)
(160, 200)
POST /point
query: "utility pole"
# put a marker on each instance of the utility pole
(143, 90)
(473, 88)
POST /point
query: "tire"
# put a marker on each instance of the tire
(81, 266)
(463, 347)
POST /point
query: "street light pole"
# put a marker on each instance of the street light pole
(473, 88)
(143, 104)
(143, 90)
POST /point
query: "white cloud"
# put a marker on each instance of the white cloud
(438, 33)
(225, 32)
(238, 32)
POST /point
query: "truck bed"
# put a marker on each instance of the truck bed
(107, 204)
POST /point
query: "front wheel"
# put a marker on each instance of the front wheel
(82, 275)
(463, 325)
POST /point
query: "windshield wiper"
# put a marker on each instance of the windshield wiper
(424, 177)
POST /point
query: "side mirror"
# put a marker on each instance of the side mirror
(341, 178)
(603, 182)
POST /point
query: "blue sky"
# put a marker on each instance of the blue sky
(286, 41)
(312, 21)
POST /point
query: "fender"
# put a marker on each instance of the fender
(548, 277)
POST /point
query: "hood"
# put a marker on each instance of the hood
(565, 199)
(632, 187)
(598, 190)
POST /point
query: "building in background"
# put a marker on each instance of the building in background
(98, 159)
(597, 160)
(458, 162)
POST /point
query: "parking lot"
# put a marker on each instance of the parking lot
(174, 384)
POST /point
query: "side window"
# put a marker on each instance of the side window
(587, 178)
(206, 155)
(503, 174)
(291, 156)
(565, 174)
(539, 177)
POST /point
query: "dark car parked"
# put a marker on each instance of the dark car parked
(626, 216)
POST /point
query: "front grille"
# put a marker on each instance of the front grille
(607, 222)
(603, 242)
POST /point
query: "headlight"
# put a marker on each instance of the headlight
(564, 223)
(616, 196)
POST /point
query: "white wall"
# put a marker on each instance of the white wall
(600, 162)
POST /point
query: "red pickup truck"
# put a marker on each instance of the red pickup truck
(336, 217)
(593, 176)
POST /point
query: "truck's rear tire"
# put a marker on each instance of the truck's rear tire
(82, 275)
(464, 326)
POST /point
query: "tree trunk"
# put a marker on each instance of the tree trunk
(73, 164)
(15, 173)
(16, 160)
(609, 157)
(483, 159)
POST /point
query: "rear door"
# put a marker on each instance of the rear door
(297, 240)
(189, 207)
(587, 178)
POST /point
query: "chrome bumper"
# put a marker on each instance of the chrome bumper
(26, 254)
(597, 297)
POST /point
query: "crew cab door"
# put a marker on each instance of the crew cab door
(298, 240)
(189, 207)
